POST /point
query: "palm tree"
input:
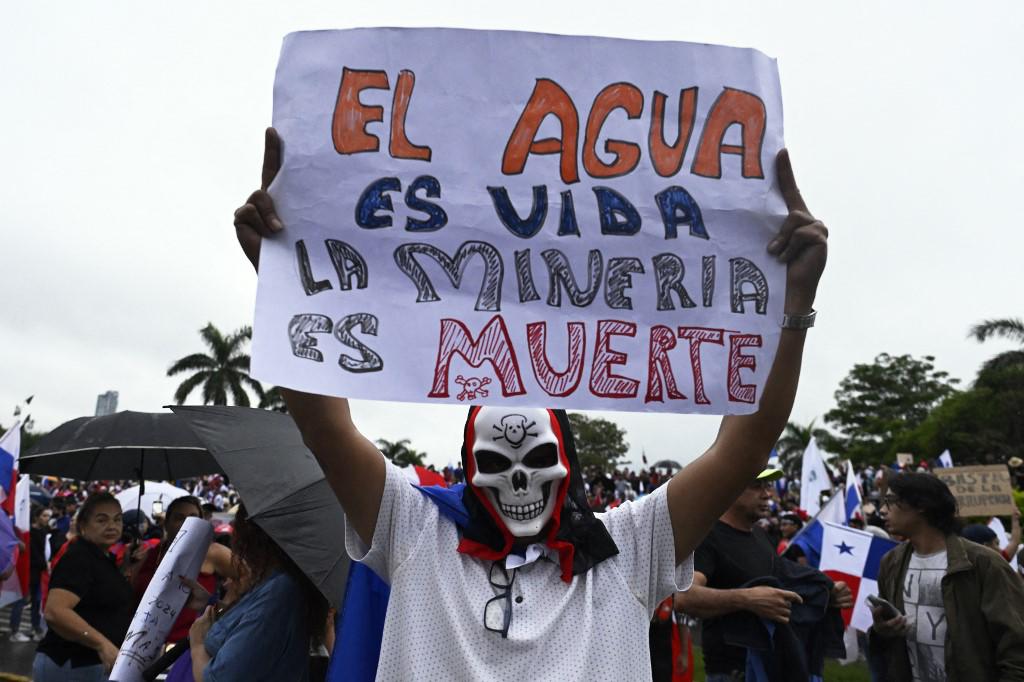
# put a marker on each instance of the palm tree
(794, 440)
(273, 400)
(225, 370)
(1007, 328)
(399, 452)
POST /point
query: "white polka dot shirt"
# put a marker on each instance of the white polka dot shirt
(594, 627)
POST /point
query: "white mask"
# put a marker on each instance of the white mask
(518, 465)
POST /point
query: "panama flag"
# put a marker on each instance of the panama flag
(853, 556)
(853, 498)
(814, 479)
(946, 459)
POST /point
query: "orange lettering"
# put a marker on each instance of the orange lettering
(667, 160)
(400, 147)
(348, 129)
(548, 97)
(627, 155)
(732, 107)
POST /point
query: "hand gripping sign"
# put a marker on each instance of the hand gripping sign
(523, 219)
(163, 600)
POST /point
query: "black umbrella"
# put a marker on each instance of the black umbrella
(667, 464)
(282, 486)
(124, 445)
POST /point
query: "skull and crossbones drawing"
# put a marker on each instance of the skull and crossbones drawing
(472, 388)
(514, 429)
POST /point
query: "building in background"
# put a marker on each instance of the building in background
(106, 403)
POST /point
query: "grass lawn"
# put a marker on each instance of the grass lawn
(858, 672)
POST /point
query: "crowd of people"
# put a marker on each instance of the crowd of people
(91, 562)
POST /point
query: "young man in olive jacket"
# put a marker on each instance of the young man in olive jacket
(961, 605)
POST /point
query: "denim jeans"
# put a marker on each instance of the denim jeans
(35, 600)
(44, 669)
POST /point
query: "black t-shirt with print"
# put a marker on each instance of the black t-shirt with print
(106, 601)
(730, 558)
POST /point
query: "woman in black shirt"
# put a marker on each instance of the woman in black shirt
(90, 602)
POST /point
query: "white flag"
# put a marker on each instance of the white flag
(814, 479)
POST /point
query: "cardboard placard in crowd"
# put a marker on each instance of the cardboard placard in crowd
(980, 490)
(163, 600)
(485, 216)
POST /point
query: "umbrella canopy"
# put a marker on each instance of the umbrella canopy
(165, 493)
(282, 485)
(667, 464)
(40, 496)
(135, 445)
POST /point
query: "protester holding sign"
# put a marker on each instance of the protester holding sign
(958, 604)
(515, 567)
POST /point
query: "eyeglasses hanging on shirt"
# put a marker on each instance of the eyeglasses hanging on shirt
(498, 609)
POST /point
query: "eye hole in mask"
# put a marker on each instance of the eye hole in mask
(542, 457)
(488, 462)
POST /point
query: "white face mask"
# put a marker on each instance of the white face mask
(517, 465)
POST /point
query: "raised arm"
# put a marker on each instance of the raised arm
(701, 492)
(353, 466)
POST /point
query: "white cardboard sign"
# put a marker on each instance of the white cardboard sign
(163, 600)
(523, 219)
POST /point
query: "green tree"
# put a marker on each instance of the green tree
(273, 400)
(983, 425)
(1007, 328)
(400, 453)
(794, 440)
(224, 370)
(880, 401)
(599, 442)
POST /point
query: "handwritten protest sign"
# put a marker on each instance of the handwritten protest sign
(980, 490)
(163, 601)
(523, 219)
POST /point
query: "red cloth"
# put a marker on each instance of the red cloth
(144, 575)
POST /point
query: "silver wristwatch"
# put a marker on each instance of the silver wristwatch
(799, 322)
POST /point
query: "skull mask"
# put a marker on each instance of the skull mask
(518, 465)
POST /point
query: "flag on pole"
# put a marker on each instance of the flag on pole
(946, 459)
(10, 448)
(853, 556)
(852, 490)
(814, 479)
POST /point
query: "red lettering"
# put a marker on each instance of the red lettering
(662, 341)
(603, 383)
(698, 336)
(554, 383)
(738, 391)
(492, 345)
(348, 129)
(548, 97)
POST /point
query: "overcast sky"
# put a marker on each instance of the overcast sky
(132, 131)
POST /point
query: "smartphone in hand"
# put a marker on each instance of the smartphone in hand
(888, 610)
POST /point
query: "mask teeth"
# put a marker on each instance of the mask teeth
(523, 512)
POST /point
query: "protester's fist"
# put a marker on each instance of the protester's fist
(202, 625)
(258, 218)
(842, 598)
(802, 242)
(772, 603)
(893, 627)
